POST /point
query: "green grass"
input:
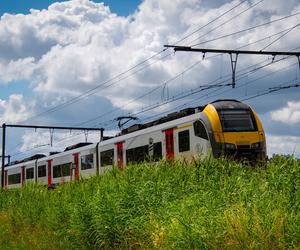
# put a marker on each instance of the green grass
(212, 204)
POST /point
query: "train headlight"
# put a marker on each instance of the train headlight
(255, 145)
(230, 146)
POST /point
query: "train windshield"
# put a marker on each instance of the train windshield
(237, 120)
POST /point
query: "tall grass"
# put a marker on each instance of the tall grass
(209, 204)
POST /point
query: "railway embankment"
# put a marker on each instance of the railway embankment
(209, 204)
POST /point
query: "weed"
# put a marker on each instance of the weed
(206, 204)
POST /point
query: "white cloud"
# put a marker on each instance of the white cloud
(289, 114)
(15, 109)
(279, 6)
(283, 145)
(21, 69)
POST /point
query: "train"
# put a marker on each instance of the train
(222, 128)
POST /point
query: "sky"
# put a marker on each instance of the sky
(122, 8)
(84, 63)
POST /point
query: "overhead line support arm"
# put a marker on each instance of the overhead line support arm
(228, 51)
(234, 54)
(52, 127)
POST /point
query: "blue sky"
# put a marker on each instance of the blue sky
(50, 57)
(121, 7)
(15, 87)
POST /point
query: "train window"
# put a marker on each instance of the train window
(62, 170)
(42, 171)
(157, 151)
(107, 158)
(29, 173)
(14, 179)
(87, 161)
(237, 120)
(136, 155)
(200, 130)
(184, 140)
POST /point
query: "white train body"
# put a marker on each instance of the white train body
(197, 133)
(98, 157)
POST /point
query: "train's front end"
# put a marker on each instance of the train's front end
(237, 131)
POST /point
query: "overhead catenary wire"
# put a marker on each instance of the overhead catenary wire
(210, 22)
(227, 21)
(284, 34)
(245, 30)
(271, 90)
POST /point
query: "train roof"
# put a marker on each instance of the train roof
(30, 158)
(225, 100)
(229, 104)
(161, 120)
(78, 145)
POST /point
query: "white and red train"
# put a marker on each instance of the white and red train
(223, 127)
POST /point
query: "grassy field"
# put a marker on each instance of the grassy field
(212, 204)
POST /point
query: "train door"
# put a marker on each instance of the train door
(120, 162)
(75, 167)
(23, 175)
(49, 163)
(169, 134)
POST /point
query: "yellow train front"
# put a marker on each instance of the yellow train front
(235, 131)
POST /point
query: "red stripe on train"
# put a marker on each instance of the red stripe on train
(49, 162)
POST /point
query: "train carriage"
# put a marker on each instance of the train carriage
(221, 128)
(13, 176)
(77, 160)
(21, 172)
(42, 173)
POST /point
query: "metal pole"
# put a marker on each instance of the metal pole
(3, 154)
(101, 135)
